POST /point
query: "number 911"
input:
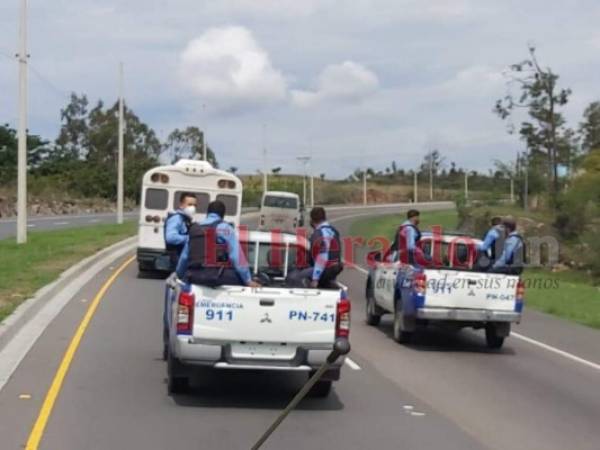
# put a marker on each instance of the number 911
(219, 314)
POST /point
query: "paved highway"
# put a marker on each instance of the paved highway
(8, 227)
(444, 391)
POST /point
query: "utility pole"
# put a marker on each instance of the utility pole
(466, 185)
(415, 188)
(431, 175)
(304, 160)
(121, 146)
(512, 190)
(204, 146)
(22, 131)
(312, 180)
(264, 146)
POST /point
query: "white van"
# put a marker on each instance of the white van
(161, 189)
(280, 210)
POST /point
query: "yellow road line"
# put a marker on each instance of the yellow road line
(40, 424)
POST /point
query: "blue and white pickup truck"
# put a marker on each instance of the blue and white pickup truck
(448, 295)
(274, 327)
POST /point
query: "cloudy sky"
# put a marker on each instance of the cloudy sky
(354, 82)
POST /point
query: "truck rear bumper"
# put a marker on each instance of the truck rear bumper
(468, 315)
(218, 356)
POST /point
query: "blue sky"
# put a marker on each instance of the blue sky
(358, 82)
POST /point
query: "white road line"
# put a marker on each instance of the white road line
(562, 353)
(31, 225)
(60, 223)
(350, 363)
(94, 220)
(531, 341)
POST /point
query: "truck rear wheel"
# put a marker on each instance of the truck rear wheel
(373, 315)
(177, 383)
(321, 389)
(492, 338)
(401, 335)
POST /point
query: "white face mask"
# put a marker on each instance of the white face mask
(189, 210)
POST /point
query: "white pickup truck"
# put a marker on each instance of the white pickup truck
(274, 327)
(450, 294)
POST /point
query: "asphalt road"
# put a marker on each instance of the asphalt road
(8, 227)
(445, 391)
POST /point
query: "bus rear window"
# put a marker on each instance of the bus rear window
(156, 199)
(272, 201)
(231, 203)
(202, 197)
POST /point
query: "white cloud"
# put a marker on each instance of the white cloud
(226, 68)
(348, 81)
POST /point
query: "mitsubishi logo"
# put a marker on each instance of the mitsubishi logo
(266, 319)
(471, 293)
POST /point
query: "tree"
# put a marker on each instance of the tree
(276, 170)
(188, 144)
(322, 177)
(590, 127)
(37, 152)
(71, 143)
(394, 167)
(433, 160)
(233, 169)
(545, 132)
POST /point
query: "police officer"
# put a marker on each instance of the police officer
(493, 240)
(512, 259)
(177, 226)
(212, 255)
(406, 239)
(324, 255)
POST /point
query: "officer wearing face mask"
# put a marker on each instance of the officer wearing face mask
(177, 226)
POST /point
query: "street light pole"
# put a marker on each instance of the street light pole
(415, 188)
(466, 185)
(204, 147)
(121, 147)
(364, 187)
(304, 160)
(265, 175)
(22, 131)
(431, 176)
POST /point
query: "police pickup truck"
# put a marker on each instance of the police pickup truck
(453, 293)
(274, 327)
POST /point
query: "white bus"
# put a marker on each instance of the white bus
(280, 210)
(161, 190)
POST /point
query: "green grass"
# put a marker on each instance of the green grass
(26, 268)
(387, 225)
(570, 294)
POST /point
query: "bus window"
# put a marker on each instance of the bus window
(231, 202)
(272, 201)
(202, 197)
(156, 199)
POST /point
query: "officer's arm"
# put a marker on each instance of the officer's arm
(490, 237)
(183, 261)
(411, 238)
(236, 255)
(322, 258)
(173, 235)
(509, 248)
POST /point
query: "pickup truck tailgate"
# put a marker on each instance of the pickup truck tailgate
(265, 315)
(470, 290)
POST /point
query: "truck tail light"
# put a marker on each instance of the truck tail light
(420, 284)
(342, 324)
(520, 294)
(185, 313)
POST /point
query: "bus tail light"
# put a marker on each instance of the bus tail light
(185, 313)
(342, 324)
(262, 221)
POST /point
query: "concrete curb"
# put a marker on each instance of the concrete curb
(21, 329)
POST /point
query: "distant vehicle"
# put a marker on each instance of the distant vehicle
(280, 210)
(451, 296)
(275, 327)
(161, 190)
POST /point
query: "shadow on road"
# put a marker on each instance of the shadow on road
(255, 390)
(434, 339)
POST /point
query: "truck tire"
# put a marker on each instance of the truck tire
(177, 383)
(165, 350)
(373, 316)
(321, 389)
(493, 340)
(401, 335)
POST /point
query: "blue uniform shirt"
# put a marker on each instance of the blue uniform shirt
(325, 244)
(410, 234)
(512, 244)
(225, 235)
(176, 231)
(490, 239)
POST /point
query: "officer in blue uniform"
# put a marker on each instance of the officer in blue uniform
(493, 242)
(212, 256)
(177, 226)
(407, 237)
(512, 259)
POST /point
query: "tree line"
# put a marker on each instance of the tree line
(82, 160)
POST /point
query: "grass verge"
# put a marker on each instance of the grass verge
(570, 294)
(26, 268)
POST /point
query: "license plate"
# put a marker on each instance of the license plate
(262, 351)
